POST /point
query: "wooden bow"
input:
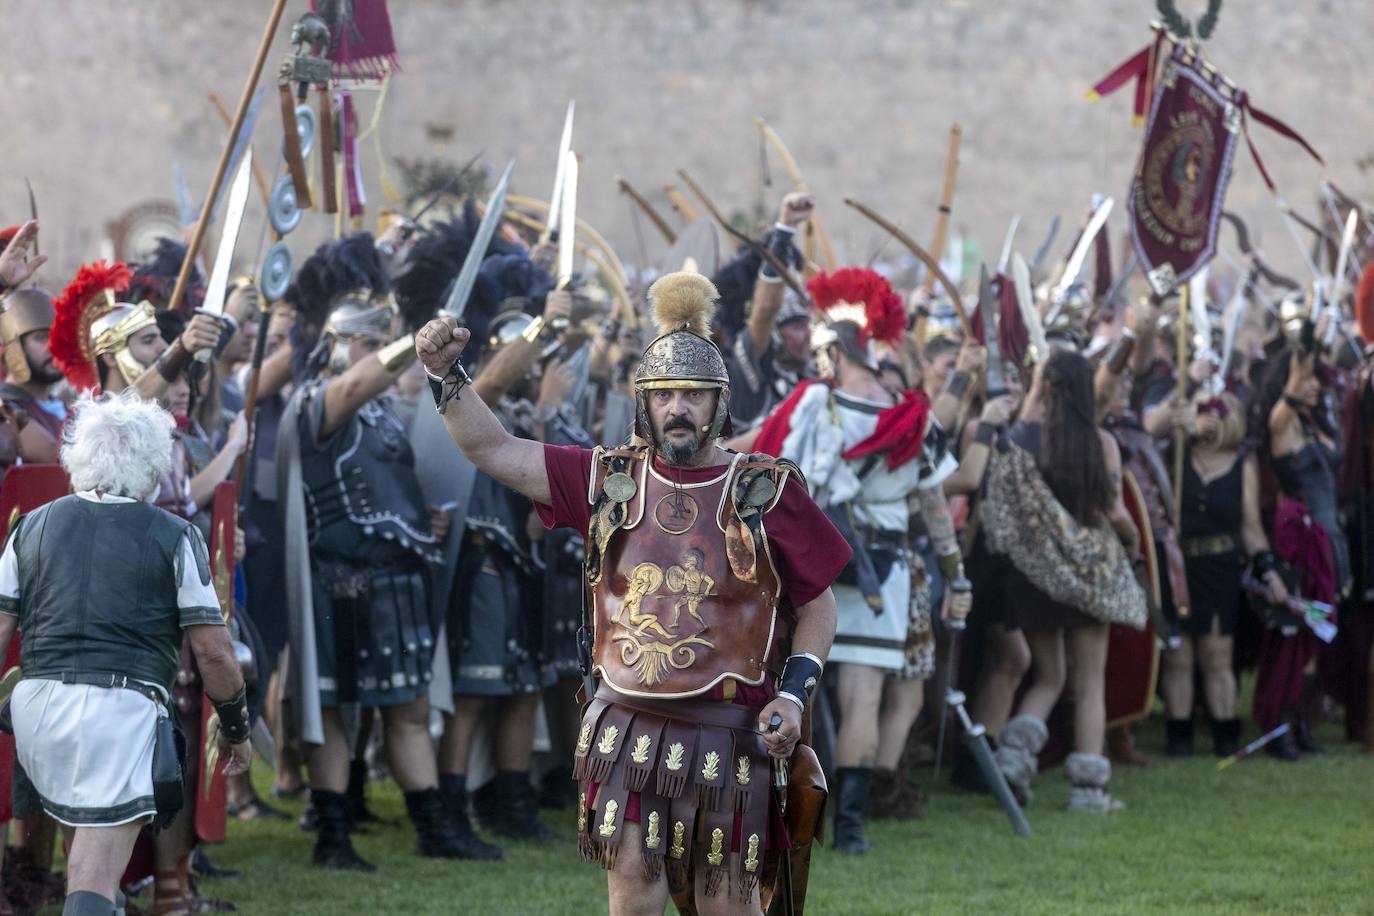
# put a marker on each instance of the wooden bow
(1248, 249)
(680, 204)
(583, 230)
(817, 228)
(781, 269)
(921, 255)
(659, 222)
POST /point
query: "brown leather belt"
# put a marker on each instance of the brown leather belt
(1210, 546)
(702, 712)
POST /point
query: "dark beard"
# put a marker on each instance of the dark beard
(679, 455)
(46, 375)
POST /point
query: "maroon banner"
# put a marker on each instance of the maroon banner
(1176, 196)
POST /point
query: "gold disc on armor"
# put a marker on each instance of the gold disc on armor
(676, 513)
(619, 487)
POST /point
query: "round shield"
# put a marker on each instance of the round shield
(282, 208)
(276, 271)
(307, 125)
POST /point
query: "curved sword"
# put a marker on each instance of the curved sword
(1025, 302)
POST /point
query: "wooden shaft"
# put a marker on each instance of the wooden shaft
(937, 244)
(291, 146)
(680, 204)
(328, 187)
(659, 222)
(251, 397)
(198, 236)
(1182, 393)
(259, 176)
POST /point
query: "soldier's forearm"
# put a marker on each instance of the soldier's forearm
(517, 463)
(815, 626)
(363, 381)
(510, 365)
(214, 653)
(939, 522)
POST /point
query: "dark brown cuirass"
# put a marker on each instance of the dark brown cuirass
(674, 608)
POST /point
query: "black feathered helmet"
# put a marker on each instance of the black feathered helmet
(425, 280)
(341, 292)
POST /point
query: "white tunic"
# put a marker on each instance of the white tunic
(824, 425)
(89, 750)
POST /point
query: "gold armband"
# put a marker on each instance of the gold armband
(398, 354)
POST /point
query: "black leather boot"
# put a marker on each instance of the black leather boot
(1178, 736)
(513, 811)
(436, 835)
(1309, 707)
(1225, 736)
(851, 798)
(333, 848)
(1285, 746)
(453, 786)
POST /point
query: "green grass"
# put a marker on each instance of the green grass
(1261, 837)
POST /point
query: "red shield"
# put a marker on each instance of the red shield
(1180, 181)
(211, 791)
(23, 489)
(1133, 655)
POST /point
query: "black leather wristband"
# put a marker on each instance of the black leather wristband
(1263, 563)
(779, 244)
(800, 675)
(985, 434)
(958, 384)
(233, 717)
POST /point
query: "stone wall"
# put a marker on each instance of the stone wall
(102, 100)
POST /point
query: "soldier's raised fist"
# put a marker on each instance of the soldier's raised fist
(439, 343)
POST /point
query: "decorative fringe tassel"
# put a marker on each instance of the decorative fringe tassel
(587, 847)
(715, 876)
(580, 767)
(599, 769)
(677, 875)
(653, 866)
(608, 855)
(747, 885)
(741, 799)
(670, 785)
(708, 797)
(635, 778)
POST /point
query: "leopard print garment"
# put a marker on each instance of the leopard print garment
(1084, 567)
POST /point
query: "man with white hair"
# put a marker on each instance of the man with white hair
(102, 585)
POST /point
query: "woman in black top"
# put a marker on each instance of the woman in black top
(1221, 516)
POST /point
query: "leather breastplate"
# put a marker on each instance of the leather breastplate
(362, 498)
(684, 591)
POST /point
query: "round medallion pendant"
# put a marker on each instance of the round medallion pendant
(620, 487)
(676, 513)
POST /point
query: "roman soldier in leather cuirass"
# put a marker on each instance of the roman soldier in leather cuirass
(702, 565)
(360, 543)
